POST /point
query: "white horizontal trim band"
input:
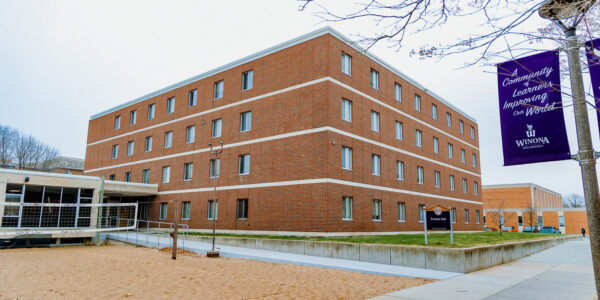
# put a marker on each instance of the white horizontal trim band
(287, 135)
(314, 181)
(279, 92)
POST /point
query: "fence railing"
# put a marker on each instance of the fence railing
(149, 233)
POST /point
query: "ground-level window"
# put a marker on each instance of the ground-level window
(540, 221)
(520, 220)
(477, 216)
(163, 211)
(453, 215)
(346, 208)
(242, 209)
(466, 216)
(401, 211)
(421, 212)
(185, 210)
(376, 210)
(213, 209)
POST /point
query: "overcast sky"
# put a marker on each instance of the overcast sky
(63, 61)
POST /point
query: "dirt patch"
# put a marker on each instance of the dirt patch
(90, 272)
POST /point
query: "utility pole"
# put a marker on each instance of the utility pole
(557, 10)
(213, 252)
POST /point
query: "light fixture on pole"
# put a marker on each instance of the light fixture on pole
(215, 152)
(561, 12)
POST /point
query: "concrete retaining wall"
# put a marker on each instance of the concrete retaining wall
(462, 260)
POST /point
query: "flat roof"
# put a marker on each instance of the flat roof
(279, 47)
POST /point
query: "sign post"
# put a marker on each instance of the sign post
(438, 217)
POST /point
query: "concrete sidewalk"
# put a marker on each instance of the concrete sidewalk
(157, 241)
(562, 272)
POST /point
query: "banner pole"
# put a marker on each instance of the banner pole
(451, 227)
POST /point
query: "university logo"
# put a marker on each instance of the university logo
(530, 131)
(437, 211)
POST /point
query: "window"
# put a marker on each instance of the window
(398, 92)
(170, 105)
(436, 146)
(216, 128)
(146, 176)
(185, 210)
(417, 103)
(190, 134)
(346, 64)
(374, 79)
(437, 178)
(449, 150)
(472, 132)
(452, 182)
(148, 144)
(346, 110)
(419, 138)
(462, 155)
(346, 158)
(163, 211)
(434, 111)
(520, 220)
(401, 212)
(477, 216)
(449, 120)
(192, 98)
(214, 167)
(399, 130)
(168, 139)
(461, 126)
(115, 151)
(245, 121)
(474, 156)
(453, 217)
(375, 121)
(166, 174)
(242, 209)
(112, 177)
(561, 221)
(132, 117)
(376, 210)
(130, 145)
(400, 170)
(127, 176)
(247, 80)
(244, 164)
(117, 122)
(540, 221)
(218, 89)
(464, 184)
(151, 111)
(421, 212)
(347, 208)
(188, 169)
(475, 188)
(375, 164)
(420, 175)
(213, 209)
(466, 216)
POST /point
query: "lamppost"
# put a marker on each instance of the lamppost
(215, 152)
(562, 12)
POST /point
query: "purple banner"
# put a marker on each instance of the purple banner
(592, 50)
(531, 115)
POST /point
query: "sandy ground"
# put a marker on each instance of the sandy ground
(80, 272)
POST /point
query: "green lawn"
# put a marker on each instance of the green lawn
(461, 240)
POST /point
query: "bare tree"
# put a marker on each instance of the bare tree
(498, 206)
(531, 214)
(573, 200)
(7, 140)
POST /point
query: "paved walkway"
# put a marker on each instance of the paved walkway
(156, 241)
(562, 272)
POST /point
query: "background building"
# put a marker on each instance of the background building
(318, 136)
(527, 204)
(67, 165)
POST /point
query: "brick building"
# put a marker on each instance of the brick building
(527, 205)
(319, 136)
